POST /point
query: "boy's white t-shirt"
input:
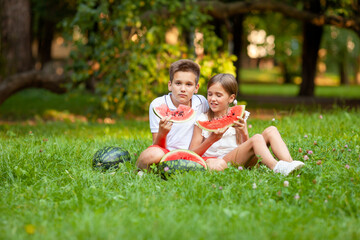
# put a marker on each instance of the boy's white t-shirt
(223, 146)
(180, 134)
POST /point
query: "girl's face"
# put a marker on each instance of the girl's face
(219, 99)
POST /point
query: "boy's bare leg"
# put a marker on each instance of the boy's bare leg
(148, 157)
(273, 138)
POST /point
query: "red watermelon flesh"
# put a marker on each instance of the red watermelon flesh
(182, 114)
(224, 122)
(184, 155)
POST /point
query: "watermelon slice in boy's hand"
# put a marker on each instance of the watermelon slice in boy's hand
(182, 114)
(224, 122)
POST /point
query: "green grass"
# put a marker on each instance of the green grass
(49, 190)
(272, 75)
(31, 103)
(291, 90)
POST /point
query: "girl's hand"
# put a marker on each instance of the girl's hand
(217, 135)
(239, 124)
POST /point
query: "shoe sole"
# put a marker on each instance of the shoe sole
(297, 167)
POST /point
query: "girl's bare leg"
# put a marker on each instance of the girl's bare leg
(273, 138)
(217, 164)
(255, 146)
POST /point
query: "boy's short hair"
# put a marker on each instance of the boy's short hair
(185, 65)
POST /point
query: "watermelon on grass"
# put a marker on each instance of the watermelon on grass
(182, 114)
(181, 160)
(224, 122)
(110, 157)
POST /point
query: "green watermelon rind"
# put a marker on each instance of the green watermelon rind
(106, 158)
(223, 127)
(193, 113)
(169, 156)
(179, 166)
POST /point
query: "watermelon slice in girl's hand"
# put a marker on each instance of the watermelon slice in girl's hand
(182, 114)
(224, 122)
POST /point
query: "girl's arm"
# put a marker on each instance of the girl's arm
(242, 131)
(199, 145)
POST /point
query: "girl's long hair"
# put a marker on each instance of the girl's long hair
(229, 83)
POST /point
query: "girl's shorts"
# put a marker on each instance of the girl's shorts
(206, 158)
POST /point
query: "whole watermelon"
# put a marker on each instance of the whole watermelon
(110, 157)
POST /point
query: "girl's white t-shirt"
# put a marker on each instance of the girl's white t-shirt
(180, 134)
(225, 145)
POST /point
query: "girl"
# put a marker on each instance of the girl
(233, 144)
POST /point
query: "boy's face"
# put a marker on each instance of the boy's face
(183, 87)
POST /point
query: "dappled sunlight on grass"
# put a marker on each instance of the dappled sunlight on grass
(274, 76)
(55, 115)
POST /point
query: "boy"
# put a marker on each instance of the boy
(167, 136)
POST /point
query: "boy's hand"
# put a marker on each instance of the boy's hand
(165, 125)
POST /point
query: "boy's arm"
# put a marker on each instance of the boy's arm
(159, 138)
(159, 141)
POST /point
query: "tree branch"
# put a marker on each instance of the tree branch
(32, 79)
(222, 10)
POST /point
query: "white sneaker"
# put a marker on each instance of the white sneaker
(283, 167)
(297, 164)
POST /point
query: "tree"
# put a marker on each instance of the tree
(17, 68)
(342, 51)
(314, 15)
(311, 45)
(15, 36)
(131, 44)
(46, 16)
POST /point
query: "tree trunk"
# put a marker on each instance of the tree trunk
(219, 31)
(312, 38)
(45, 38)
(15, 36)
(34, 79)
(237, 32)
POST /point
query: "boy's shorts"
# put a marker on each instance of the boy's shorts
(163, 149)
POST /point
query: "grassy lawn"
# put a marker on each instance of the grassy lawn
(291, 90)
(49, 190)
(266, 82)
